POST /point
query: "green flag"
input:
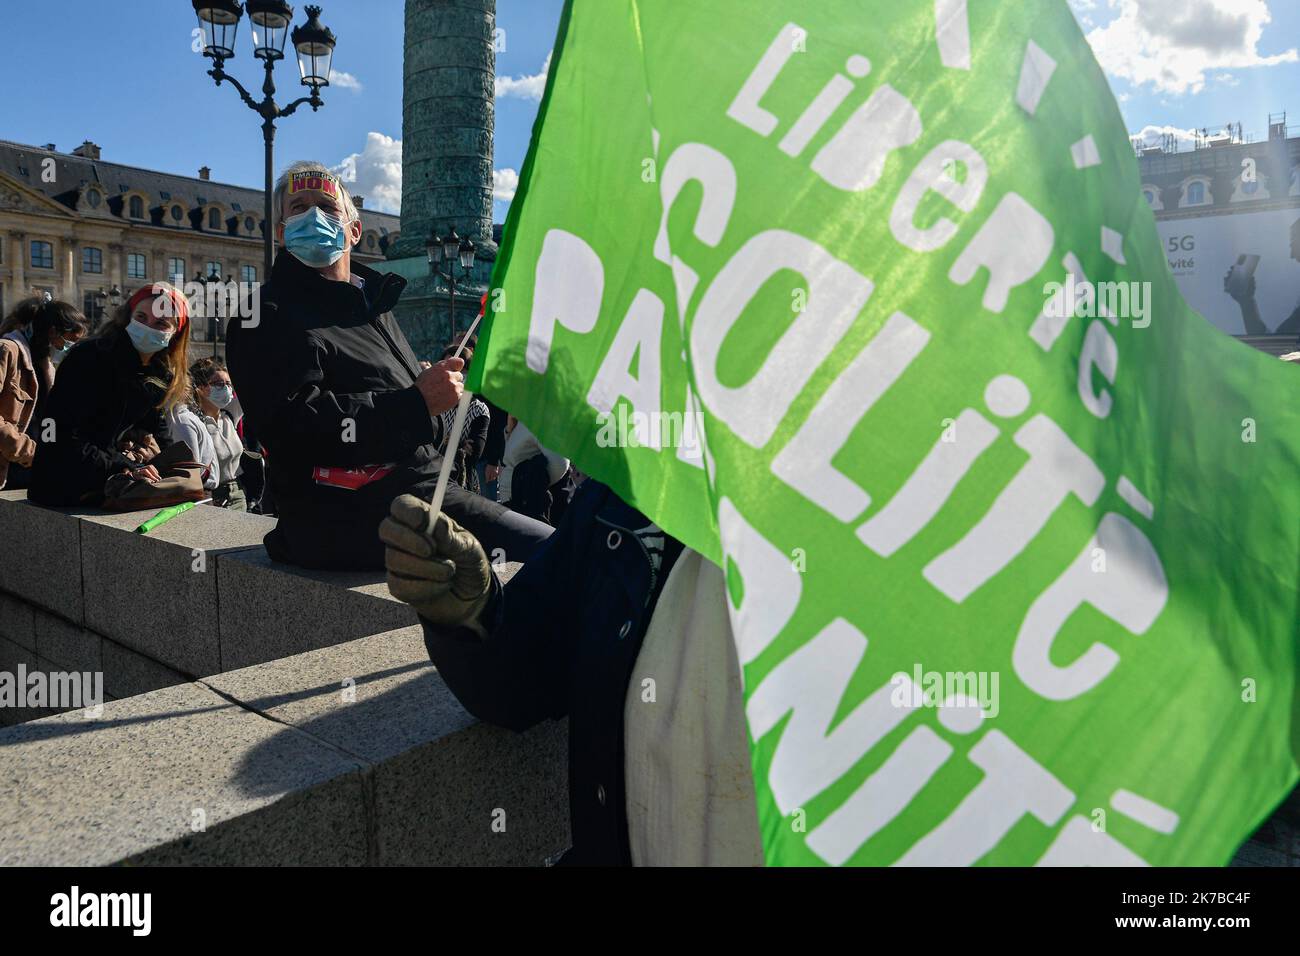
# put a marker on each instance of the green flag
(863, 302)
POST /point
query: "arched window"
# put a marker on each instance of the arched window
(214, 219)
(1149, 196)
(136, 210)
(1195, 193)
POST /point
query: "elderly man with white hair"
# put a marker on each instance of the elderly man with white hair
(331, 389)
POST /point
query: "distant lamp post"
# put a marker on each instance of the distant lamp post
(450, 248)
(270, 19)
(211, 304)
(112, 298)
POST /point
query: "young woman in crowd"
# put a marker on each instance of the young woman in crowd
(34, 333)
(109, 403)
(185, 424)
(213, 395)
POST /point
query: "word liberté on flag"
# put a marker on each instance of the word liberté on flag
(826, 236)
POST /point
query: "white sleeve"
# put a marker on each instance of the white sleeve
(182, 428)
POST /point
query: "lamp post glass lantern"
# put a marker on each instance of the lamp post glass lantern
(451, 248)
(270, 19)
(219, 21)
(315, 45)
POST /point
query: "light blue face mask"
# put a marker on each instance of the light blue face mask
(315, 238)
(147, 340)
(221, 395)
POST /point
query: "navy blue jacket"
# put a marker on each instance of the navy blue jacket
(563, 636)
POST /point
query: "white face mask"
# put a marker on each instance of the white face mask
(221, 395)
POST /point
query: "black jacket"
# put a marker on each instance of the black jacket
(326, 378)
(100, 393)
(563, 637)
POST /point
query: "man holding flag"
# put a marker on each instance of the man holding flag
(850, 305)
(337, 397)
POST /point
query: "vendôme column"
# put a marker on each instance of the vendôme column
(448, 114)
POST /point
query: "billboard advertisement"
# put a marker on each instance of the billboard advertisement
(1240, 270)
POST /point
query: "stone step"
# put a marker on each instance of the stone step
(352, 754)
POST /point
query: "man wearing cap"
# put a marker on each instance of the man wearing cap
(332, 390)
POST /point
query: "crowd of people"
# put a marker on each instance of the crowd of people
(327, 419)
(132, 403)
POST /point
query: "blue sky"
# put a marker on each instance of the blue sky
(134, 86)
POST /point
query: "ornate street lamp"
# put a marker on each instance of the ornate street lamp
(450, 248)
(113, 298)
(270, 19)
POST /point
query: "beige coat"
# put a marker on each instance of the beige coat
(690, 789)
(19, 386)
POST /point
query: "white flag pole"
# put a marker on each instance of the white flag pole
(453, 440)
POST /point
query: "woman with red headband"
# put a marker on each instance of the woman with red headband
(107, 410)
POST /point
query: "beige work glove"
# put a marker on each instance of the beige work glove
(443, 574)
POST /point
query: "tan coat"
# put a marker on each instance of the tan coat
(19, 386)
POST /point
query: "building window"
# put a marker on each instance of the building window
(370, 241)
(93, 198)
(250, 223)
(248, 274)
(1195, 193)
(176, 268)
(214, 219)
(92, 259)
(212, 267)
(1149, 196)
(42, 255)
(177, 213)
(135, 265)
(136, 208)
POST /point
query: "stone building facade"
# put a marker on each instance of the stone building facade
(1223, 174)
(78, 227)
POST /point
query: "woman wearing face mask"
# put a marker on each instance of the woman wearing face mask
(185, 424)
(37, 331)
(109, 403)
(214, 394)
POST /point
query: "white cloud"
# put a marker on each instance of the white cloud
(504, 184)
(1151, 135)
(344, 80)
(1227, 79)
(524, 87)
(375, 173)
(1173, 44)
